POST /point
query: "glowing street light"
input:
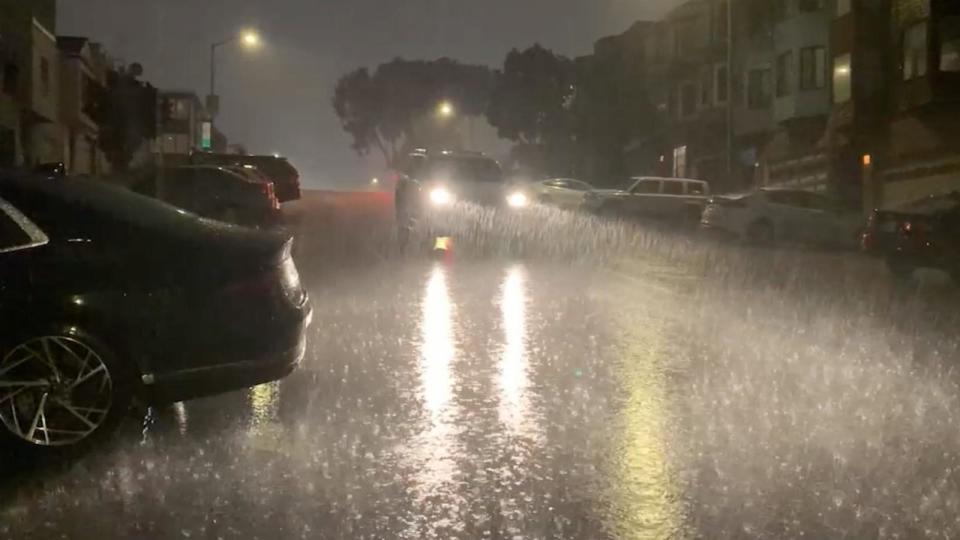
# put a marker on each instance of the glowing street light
(445, 109)
(250, 39)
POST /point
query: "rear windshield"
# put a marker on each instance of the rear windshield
(460, 169)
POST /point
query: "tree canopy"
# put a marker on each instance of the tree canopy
(125, 111)
(380, 111)
(531, 96)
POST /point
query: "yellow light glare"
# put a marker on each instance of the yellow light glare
(250, 39)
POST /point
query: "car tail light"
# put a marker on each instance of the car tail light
(269, 191)
(915, 231)
(249, 286)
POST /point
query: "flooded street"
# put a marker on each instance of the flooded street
(573, 379)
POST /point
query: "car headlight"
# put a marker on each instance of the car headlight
(518, 199)
(441, 196)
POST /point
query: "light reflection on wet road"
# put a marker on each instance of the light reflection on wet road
(512, 397)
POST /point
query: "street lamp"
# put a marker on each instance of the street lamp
(445, 109)
(249, 39)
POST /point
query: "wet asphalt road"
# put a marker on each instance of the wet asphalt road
(554, 377)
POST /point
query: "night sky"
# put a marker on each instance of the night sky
(278, 99)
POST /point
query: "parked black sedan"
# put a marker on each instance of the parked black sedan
(924, 234)
(107, 296)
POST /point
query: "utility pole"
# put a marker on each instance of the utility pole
(730, 100)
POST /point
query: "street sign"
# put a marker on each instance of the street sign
(206, 140)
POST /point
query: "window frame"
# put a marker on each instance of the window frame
(848, 75)
(783, 86)
(36, 235)
(813, 78)
(765, 95)
(659, 183)
(915, 61)
(682, 185)
(45, 75)
(953, 41)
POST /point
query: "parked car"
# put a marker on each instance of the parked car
(107, 296)
(784, 215)
(51, 171)
(231, 194)
(285, 177)
(924, 234)
(431, 182)
(563, 192)
(673, 199)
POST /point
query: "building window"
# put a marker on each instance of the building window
(950, 44)
(842, 91)
(784, 74)
(680, 162)
(683, 38)
(11, 79)
(721, 84)
(915, 51)
(809, 5)
(45, 76)
(688, 99)
(843, 7)
(759, 88)
(813, 66)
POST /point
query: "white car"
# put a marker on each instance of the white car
(675, 199)
(563, 192)
(783, 215)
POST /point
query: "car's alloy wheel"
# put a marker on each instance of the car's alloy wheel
(55, 391)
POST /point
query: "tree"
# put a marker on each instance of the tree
(125, 110)
(610, 109)
(531, 97)
(384, 111)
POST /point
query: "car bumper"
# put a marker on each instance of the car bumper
(228, 376)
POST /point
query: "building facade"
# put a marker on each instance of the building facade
(83, 73)
(29, 83)
(923, 155)
(181, 125)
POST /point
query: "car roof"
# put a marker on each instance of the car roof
(668, 179)
(122, 206)
(788, 190)
(227, 169)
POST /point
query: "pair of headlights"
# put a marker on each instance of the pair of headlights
(441, 196)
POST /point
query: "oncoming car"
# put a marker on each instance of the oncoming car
(107, 296)
(434, 182)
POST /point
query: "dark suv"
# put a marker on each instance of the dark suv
(441, 180)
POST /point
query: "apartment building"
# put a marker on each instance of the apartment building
(83, 74)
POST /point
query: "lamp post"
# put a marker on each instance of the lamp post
(250, 40)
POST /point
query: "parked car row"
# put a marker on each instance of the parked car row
(108, 296)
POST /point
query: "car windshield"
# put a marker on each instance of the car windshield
(523, 269)
(464, 170)
(933, 205)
